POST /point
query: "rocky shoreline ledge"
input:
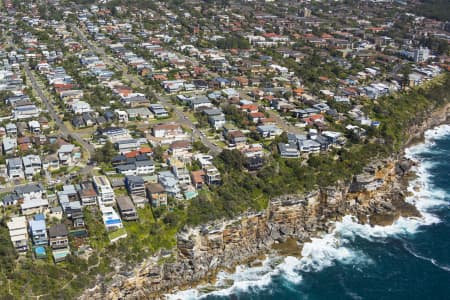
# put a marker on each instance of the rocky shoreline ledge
(376, 197)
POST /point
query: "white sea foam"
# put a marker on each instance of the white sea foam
(431, 260)
(243, 279)
(335, 247)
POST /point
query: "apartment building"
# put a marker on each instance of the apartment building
(104, 190)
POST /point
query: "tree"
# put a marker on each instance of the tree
(106, 153)
(200, 147)
(233, 160)
(233, 42)
(158, 153)
(405, 71)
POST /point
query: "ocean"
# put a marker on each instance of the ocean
(407, 260)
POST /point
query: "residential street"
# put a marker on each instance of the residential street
(65, 132)
(181, 118)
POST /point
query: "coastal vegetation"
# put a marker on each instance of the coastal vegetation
(300, 77)
(239, 192)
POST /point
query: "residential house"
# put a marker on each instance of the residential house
(125, 146)
(32, 165)
(59, 241)
(268, 131)
(136, 167)
(88, 119)
(180, 171)
(111, 219)
(156, 194)
(198, 178)
(9, 145)
(135, 185)
(67, 155)
(18, 233)
(115, 134)
(104, 190)
(15, 168)
(68, 199)
(216, 118)
(38, 230)
(34, 206)
(80, 107)
(30, 191)
(231, 93)
(87, 194)
(25, 112)
(25, 143)
(254, 163)
(170, 183)
(78, 122)
(126, 208)
(167, 130)
(34, 127)
(159, 111)
(236, 138)
(200, 102)
(10, 199)
(55, 213)
(11, 129)
(44, 122)
(135, 100)
(309, 146)
(255, 117)
(212, 175)
(181, 149)
(122, 116)
(50, 162)
(141, 112)
(288, 150)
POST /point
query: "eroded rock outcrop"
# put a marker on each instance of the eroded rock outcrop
(377, 196)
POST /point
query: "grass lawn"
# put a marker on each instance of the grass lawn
(150, 233)
(120, 192)
(121, 232)
(74, 169)
(190, 116)
(220, 144)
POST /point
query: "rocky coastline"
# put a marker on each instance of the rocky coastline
(376, 197)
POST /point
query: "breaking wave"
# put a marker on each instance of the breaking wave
(336, 246)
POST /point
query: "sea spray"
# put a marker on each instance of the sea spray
(337, 246)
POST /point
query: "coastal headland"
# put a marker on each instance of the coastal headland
(377, 196)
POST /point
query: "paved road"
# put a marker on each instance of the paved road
(181, 118)
(184, 120)
(62, 127)
(101, 51)
(283, 124)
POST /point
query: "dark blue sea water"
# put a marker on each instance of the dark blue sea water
(408, 260)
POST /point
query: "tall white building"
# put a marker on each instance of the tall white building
(104, 190)
(421, 54)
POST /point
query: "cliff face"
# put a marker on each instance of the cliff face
(202, 251)
(376, 197)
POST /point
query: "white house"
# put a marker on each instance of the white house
(111, 218)
(18, 233)
(104, 190)
(32, 165)
(80, 107)
(15, 168)
(25, 112)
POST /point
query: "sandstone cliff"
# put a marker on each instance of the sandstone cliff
(202, 251)
(375, 197)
